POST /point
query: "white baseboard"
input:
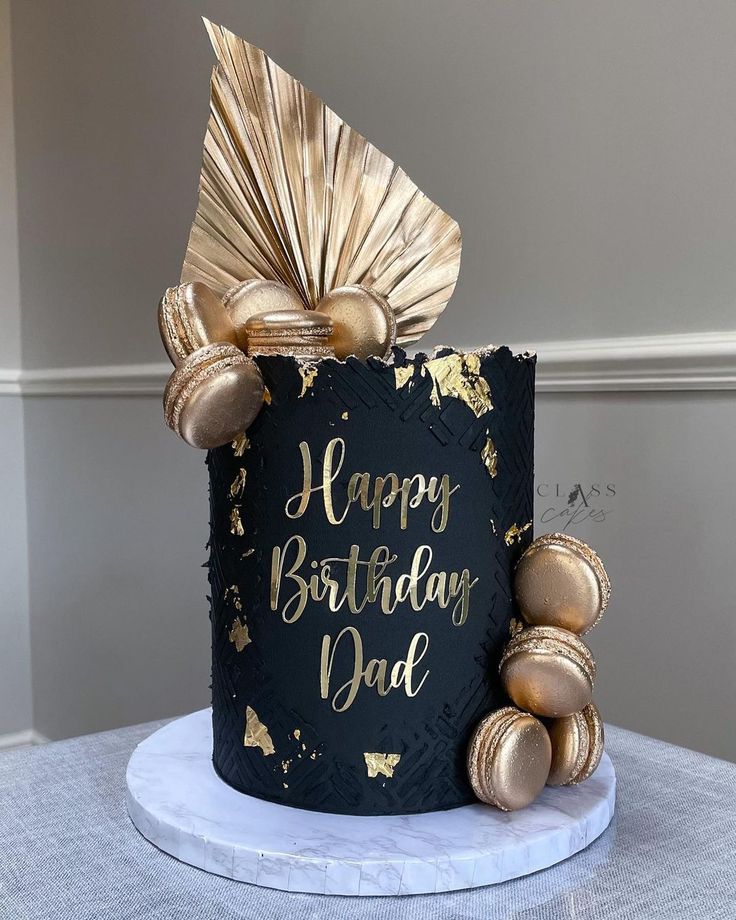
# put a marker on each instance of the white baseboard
(28, 736)
(698, 361)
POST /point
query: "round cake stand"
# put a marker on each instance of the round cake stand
(177, 801)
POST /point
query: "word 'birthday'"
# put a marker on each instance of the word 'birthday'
(355, 583)
(372, 494)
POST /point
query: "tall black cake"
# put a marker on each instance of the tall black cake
(363, 538)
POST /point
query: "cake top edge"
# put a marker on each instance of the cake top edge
(399, 357)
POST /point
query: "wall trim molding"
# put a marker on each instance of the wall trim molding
(21, 739)
(697, 361)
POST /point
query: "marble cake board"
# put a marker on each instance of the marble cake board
(177, 801)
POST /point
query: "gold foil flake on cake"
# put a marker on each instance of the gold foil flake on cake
(267, 396)
(458, 376)
(248, 552)
(403, 375)
(237, 487)
(239, 635)
(514, 533)
(256, 733)
(489, 456)
(381, 764)
(236, 524)
(344, 416)
(493, 528)
(240, 444)
(297, 733)
(308, 373)
(233, 594)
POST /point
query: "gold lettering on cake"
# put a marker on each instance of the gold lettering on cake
(353, 582)
(374, 673)
(370, 493)
(382, 764)
(514, 533)
(256, 733)
(239, 635)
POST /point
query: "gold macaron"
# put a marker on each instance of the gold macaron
(190, 316)
(548, 671)
(560, 581)
(213, 396)
(257, 295)
(577, 746)
(508, 759)
(303, 334)
(364, 323)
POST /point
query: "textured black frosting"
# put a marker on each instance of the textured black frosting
(266, 672)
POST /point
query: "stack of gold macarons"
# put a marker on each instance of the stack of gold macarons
(548, 672)
(216, 391)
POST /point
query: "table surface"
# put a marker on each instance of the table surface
(68, 849)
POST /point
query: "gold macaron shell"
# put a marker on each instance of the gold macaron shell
(548, 671)
(508, 759)
(191, 316)
(560, 581)
(213, 396)
(257, 295)
(364, 323)
(577, 747)
(302, 334)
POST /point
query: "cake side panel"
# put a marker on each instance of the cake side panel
(354, 648)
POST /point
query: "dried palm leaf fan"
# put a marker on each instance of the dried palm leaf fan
(290, 193)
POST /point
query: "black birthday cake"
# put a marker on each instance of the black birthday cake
(363, 540)
(368, 508)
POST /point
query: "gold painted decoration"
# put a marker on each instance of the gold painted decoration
(290, 193)
(308, 374)
(212, 395)
(238, 634)
(458, 376)
(241, 443)
(363, 322)
(508, 759)
(190, 316)
(257, 296)
(232, 594)
(237, 486)
(514, 533)
(489, 456)
(402, 375)
(548, 671)
(256, 733)
(577, 747)
(236, 523)
(560, 581)
(303, 334)
(381, 764)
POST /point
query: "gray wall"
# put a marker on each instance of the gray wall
(15, 667)
(586, 149)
